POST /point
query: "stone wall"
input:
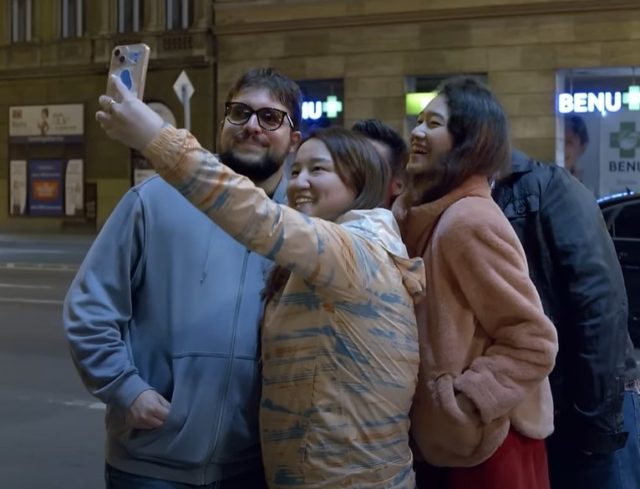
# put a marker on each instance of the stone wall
(373, 45)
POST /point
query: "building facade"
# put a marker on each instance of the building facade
(58, 171)
(545, 59)
(533, 53)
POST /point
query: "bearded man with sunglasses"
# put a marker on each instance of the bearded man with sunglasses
(168, 340)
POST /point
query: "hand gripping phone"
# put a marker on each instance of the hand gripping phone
(129, 62)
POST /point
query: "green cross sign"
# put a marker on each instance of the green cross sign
(632, 97)
(626, 140)
(332, 106)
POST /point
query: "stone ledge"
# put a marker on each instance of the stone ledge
(251, 12)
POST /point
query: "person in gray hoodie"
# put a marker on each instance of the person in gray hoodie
(168, 339)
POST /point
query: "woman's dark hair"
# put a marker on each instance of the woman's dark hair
(358, 165)
(379, 131)
(479, 131)
(281, 87)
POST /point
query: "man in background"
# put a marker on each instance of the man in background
(575, 268)
(576, 140)
(393, 150)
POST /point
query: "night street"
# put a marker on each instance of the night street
(51, 430)
(51, 251)
(488, 325)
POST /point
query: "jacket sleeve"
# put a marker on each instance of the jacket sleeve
(323, 252)
(596, 311)
(98, 306)
(488, 268)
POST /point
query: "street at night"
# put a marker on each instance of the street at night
(51, 430)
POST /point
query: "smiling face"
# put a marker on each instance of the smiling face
(248, 148)
(430, 143)
(315, 188)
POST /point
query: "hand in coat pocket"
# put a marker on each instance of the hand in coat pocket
(462, 416)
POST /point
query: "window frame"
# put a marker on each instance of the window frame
(17, 23)
(136, 17)
(65, 25)
(184, 15)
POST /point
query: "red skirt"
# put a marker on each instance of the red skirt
(519, 463)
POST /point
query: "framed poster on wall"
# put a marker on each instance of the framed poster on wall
(46, 149)
(45, 197)
(45, 122)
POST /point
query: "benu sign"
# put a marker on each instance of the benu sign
(315, 109)
(603, 102)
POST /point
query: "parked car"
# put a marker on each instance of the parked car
(622, 215)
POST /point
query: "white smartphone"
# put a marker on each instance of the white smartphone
(130, 62)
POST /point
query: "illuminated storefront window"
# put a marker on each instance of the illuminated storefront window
(323, 104)
(598, 128)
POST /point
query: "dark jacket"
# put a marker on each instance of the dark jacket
(575, 268)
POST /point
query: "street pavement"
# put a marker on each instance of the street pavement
(43, 251)
(51, 429)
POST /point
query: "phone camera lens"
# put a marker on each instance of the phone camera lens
(116, 52)
(121, 59)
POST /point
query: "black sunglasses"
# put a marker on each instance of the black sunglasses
(269, 118)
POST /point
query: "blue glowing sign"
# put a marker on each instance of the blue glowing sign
(315, 109)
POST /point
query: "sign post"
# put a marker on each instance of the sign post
(184, 90)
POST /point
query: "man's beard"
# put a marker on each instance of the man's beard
(257, 171)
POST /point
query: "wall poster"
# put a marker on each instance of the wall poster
(46, 185)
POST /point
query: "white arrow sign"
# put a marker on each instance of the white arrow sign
(183, 86)
(184, 90)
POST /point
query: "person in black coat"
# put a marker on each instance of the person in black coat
(573, 263)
